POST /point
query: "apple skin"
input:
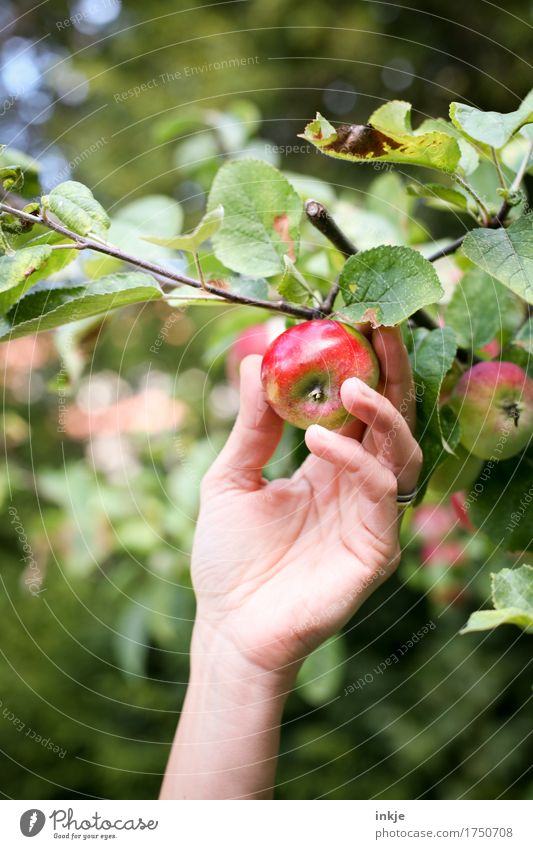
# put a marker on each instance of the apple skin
(494, 404)
(254, 339)
(304, 368)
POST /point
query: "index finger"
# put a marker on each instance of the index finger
(396, 373)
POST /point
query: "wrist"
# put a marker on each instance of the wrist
(218, 662)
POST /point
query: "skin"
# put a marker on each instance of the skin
(280, 566)
(304, 368)
(494, 403)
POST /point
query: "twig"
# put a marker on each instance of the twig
(86, 243)
(325, 224)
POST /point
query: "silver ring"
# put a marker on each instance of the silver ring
(406, 499)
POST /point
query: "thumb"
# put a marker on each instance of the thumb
(255, 435)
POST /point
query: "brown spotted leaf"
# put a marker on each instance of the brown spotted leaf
(388, 137)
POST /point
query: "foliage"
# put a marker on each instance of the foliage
(111, 513)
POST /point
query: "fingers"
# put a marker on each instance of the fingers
(398, 384)
(396, 447)
(374, 480)
(254, 437)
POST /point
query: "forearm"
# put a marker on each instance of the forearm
(227, 741)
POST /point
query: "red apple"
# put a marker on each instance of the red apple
(304, 368)
(494, 404)
(252, 340)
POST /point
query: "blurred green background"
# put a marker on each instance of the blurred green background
(96, 607)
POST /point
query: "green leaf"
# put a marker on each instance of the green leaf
(30, 170)
(47, 308)
(292, 285)
(206, 229)
(506, 254)
(74, 205)
(524, 338)
(469, 160)
(17, 273)
(321, 674)
(481, 309)
(157, 212)
(387, 137)
(261, 221)
(386, 285)
(500, 502)
(512, 596)
(492, 128)
(432, 357)
(11, 177)
(439, 194)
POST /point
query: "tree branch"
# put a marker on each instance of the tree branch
(166, 274)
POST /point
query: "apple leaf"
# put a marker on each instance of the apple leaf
(500, 502)
(386, 285)
(481, 309)
(431, 358)
(492, 128)
(17, 273)
(293, 286)
(388, 137)
(262, 214)
(469, 160)
(206, 229)
(75, 206)
(506, 254)
(43, 309)
(153, 212)
(512, 596)
(440, 195)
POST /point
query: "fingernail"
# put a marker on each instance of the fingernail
(321, 432)
(358, 385)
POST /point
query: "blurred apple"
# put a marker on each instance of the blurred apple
(252, 340)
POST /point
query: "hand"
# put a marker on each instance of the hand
(279, 566)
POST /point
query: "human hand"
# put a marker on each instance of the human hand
(279, 566)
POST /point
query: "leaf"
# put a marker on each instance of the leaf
(46, 308)
(512, 596)
(469, 160)
(129, 223)
(321, 674)
(17, 273)
(386, 285)
(506, 254)
(481, 309)
(500, 502)
(11, 177)
(492, 128)
(262, 215)
(387, 137)
(431, 359)
(439, 194)
(524, 338)
(206, 229)
(292, 285)
(30, 170)
(74, 205)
